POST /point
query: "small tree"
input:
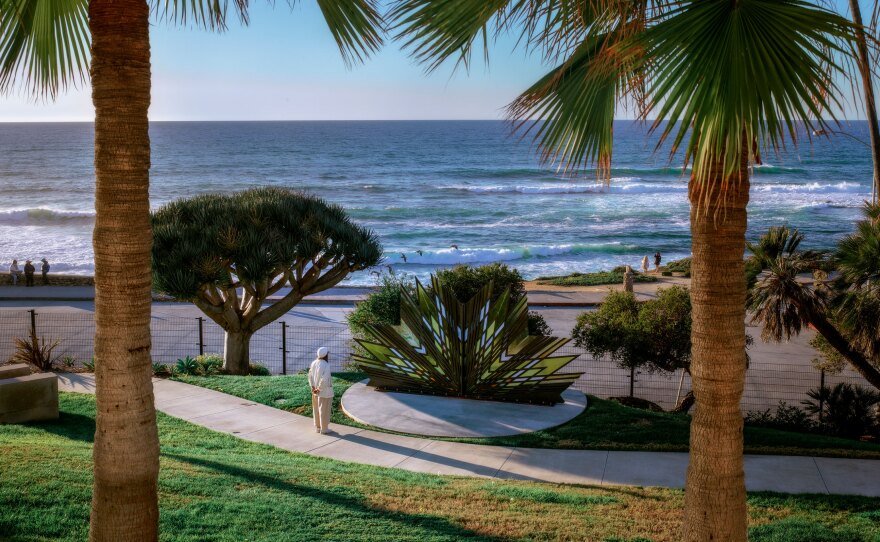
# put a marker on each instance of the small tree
(228, 253)
(654, 336)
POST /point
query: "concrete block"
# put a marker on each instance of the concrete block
(29, 398)
(13, 370)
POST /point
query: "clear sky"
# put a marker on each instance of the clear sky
(286, 66)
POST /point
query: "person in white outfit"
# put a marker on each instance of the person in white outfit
(322, 390)
(14, 271)
(645, 264)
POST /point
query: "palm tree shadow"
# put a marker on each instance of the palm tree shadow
(69, 425)
(438, 525)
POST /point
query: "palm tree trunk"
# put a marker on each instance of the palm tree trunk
(715, 496)
(126, 449)
(864, 65)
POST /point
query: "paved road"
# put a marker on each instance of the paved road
(260, 423)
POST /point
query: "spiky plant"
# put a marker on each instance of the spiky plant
(36, 351)
(479, 349)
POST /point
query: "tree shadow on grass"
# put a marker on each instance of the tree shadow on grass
(438, 525)
(69, 425)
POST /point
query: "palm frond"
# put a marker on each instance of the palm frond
(741, 74)
(44, 45)
(209, 14)
(356, 25)
(783, 304)
(571, 109)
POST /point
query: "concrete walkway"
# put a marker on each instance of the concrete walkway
(341, 295)
(260, 423)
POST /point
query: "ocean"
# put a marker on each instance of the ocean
(425, 186)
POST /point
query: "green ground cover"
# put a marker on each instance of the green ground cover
(592, 279)
(216, 487)
(605, 425)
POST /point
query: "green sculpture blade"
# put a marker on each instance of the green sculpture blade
(480, 349)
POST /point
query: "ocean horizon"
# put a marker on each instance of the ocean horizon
(426, 187)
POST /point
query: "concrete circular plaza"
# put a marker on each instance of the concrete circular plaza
(434, 416)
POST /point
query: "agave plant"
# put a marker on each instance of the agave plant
(479, 349)
(36, 351)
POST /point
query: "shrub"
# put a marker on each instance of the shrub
(599, 278)
(381, 306)
(679, 266)
(466, 281)
(210, 364)
(161, 370)
(35, 351)
(258, 369)
(666, 273)
(787, 417)
(538, 326)
(89, 365)
(68, 362)
(187, 366)
(846, 410)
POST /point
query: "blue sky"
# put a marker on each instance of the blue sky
(285, 66)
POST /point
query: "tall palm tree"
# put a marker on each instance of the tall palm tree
(724, 78)
(844, 311)
(44, 46)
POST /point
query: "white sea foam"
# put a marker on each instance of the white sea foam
(44, 216)
(453, 256)
(628, 185)
(814, 187)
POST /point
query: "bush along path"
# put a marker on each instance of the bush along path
(260, 423)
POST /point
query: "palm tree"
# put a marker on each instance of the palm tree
(844, 311)
(44, 47)
(727, 78)
(865, 68)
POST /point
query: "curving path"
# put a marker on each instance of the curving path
(260, 423)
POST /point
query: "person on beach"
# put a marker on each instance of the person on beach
(322, 390)
(657, 259)
(14, 272)
(645, 264)
(45, 270)
(29, 273)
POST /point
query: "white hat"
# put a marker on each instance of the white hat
(322, 352)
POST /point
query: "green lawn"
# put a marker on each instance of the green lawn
(605, 425)
(593, 279)
(216, 487)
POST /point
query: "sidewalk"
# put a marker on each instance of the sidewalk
(348, 295)
(260, 423)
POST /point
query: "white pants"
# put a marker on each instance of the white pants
(321, 411)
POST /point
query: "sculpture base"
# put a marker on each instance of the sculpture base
(436, 416)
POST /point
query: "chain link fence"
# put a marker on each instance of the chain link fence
(287, 349)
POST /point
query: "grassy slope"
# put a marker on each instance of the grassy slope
(605, 425)
(599, 278)
(216, 487)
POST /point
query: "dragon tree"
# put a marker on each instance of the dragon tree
(230, 253)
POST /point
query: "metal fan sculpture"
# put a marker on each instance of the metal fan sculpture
(480, 350)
